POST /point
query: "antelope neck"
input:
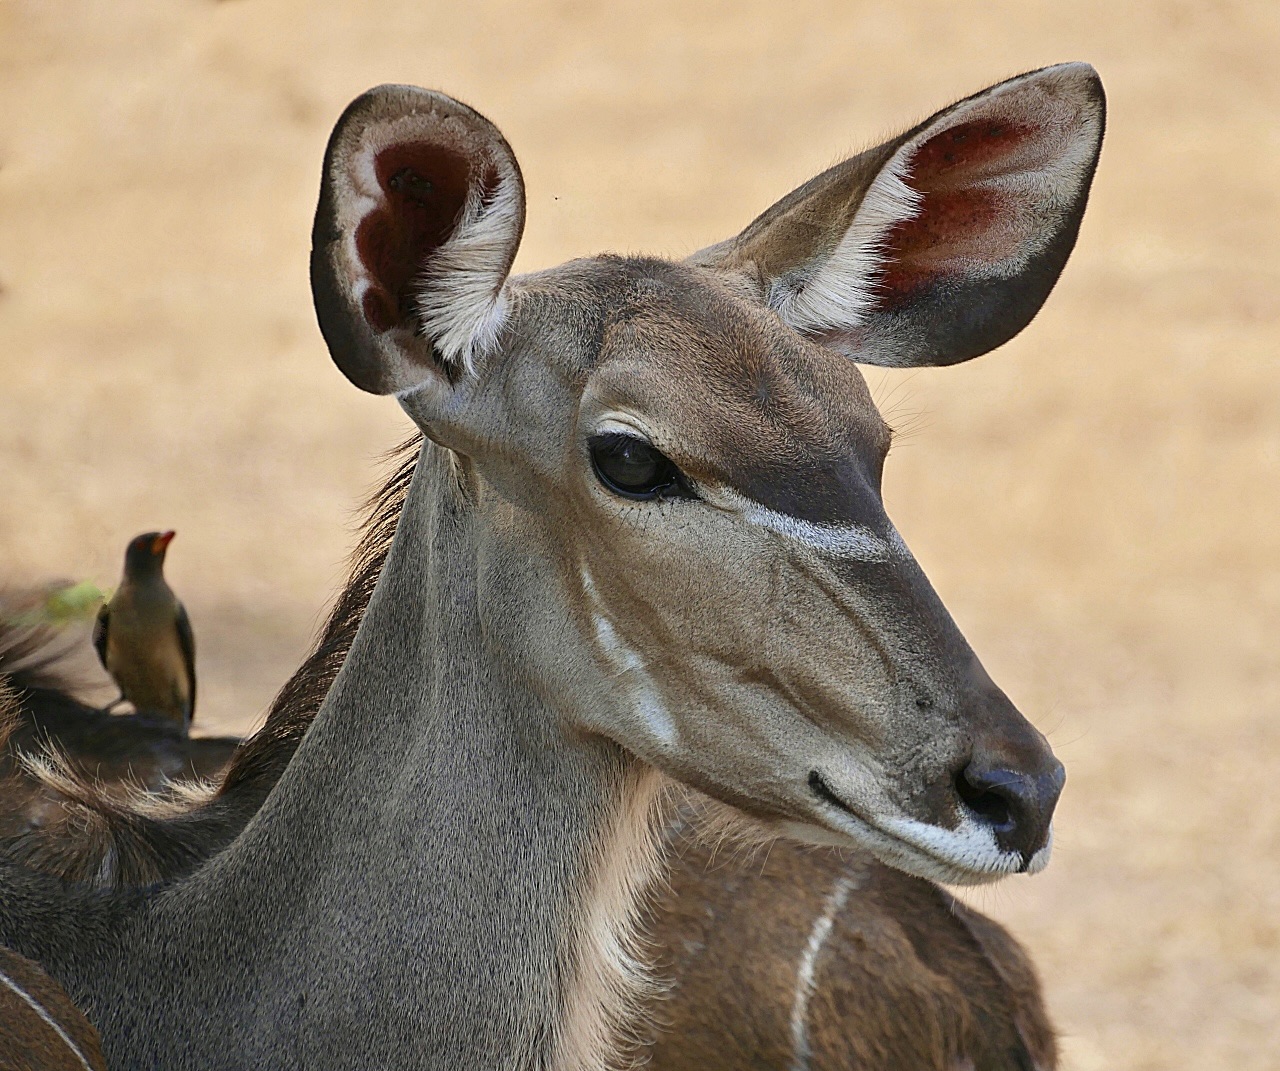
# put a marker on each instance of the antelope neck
(437, 836)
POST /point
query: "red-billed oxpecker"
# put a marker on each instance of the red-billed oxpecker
(143, 636)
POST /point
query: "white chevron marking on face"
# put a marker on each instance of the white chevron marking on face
(854, 542)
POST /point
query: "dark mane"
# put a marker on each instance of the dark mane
(112, 841)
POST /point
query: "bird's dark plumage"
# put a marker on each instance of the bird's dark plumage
(100, 634)
(187, 641)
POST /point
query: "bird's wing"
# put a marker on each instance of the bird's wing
(100, 634)
(187, 641)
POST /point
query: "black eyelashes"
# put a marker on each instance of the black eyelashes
(633, 468)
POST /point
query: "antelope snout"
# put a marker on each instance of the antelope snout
(1015, 802)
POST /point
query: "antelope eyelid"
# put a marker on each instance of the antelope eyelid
(619, 425)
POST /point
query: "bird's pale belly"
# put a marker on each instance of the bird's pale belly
(153, 676)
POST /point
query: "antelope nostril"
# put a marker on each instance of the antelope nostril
(1016, 806)
(992, 795)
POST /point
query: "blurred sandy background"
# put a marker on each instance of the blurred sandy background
(1097, 502)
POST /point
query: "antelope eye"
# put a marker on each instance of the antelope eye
(632, 468)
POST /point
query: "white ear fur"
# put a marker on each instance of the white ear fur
(462, 290)
(421, 212)
(1038, 186)
(841, 290)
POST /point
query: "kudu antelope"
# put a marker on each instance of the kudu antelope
(764, 958)
(645, 541)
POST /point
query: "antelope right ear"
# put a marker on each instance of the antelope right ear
(420, 216)
(940, 244)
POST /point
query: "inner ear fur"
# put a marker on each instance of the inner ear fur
(944, 242)
(421, 213)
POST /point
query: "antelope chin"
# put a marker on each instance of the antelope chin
(965, 855)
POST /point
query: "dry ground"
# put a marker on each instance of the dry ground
(1097, 502)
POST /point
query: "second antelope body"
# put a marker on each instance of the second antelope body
(645, 540)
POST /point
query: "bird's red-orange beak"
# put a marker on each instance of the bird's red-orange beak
(162, 541)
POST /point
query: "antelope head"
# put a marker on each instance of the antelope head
(672, 471)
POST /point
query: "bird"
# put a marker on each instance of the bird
(143, 637)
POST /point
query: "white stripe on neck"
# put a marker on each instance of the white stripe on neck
(40, 1010)
(836, 899)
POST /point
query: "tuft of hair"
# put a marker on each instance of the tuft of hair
(456, 303)
(611, 987)
(10, 715)
(107, 835)
(110, 837)
(841, 290)
(700, 820)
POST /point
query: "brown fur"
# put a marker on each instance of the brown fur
(27, 1041)
(910, 979)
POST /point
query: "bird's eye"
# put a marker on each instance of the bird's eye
(631, 467)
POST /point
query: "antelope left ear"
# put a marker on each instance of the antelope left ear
(420, 215)
(943, 243)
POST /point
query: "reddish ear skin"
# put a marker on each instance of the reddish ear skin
(955, 210)
(959, 279)
(425, 189)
